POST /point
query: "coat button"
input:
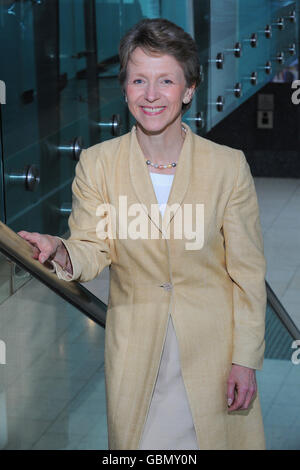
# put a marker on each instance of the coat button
(167, 286)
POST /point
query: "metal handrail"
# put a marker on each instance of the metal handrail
(20, 251)
(281, 313)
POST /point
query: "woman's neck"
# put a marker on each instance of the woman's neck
(162, 148)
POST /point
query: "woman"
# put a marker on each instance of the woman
(185, 320)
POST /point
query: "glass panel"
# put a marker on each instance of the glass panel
(5, 278)
(19, 277)
(2, 204)
(197, 115)
(223, 37)
(52, 389)
(256, 56)
(5, 271)
(278, 385)
(235, 23)
(34, 115)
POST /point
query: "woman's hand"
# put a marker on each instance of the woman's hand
(47, 247)
(241, 380)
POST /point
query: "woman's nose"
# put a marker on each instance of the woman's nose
(151, 92)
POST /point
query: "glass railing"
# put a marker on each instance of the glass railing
(19, 251)
(52, 389)
(52, 384)
(279, 380)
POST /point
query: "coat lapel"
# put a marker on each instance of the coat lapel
(142, 182)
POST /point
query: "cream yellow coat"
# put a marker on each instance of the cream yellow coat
(216, 295)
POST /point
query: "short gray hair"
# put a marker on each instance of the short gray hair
(161, 36)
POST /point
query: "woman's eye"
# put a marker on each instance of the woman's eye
(167, 81)
(137, 81)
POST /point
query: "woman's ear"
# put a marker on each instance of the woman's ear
(189, 94)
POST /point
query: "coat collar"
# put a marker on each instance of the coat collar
(142, 183)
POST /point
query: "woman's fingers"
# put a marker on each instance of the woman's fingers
(230, 392)
(32, 240)
(251, 392)
(239, 399)
(249, 397)
(35, 253)
(29, 235)
(44, 256)
(241, 387)
(43, 248)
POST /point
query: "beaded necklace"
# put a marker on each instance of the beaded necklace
(168, 165)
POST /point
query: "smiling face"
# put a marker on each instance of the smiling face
(156, 88)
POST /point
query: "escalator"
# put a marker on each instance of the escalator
(52, 389)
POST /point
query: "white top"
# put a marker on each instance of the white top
(162, 185)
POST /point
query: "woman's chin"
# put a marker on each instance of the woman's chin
(153, 128)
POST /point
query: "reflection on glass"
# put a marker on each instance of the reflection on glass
(5, 278)
(278, 383)
(52, 392)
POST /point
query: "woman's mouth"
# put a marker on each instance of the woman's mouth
(153, 111)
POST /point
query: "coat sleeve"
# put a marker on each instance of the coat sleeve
(88, 249)
(246, 266)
